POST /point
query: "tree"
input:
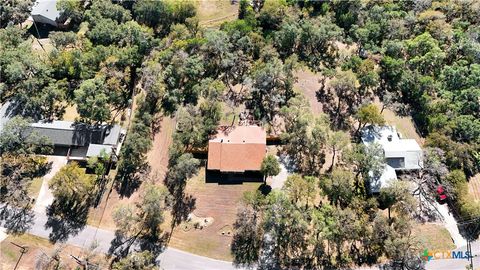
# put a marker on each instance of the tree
(339, 186)
(26, 79)
(341, 98)
(337, 141)
(424, 54)
(92, 101)
(72, 186)
(312, 39)
(368, 114)
(17, 138)
(140, 225)
(73, 191)
(17, 172)
(269, 167)
(399, 197)
(284, 227)
(137, 261)
(160, 15)
(272, 87)
(15, 12)
(301, 190)
(305, 137)
(367, 161)
(246, 240)
(72, 9)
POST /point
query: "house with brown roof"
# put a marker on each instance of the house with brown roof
(237, 150)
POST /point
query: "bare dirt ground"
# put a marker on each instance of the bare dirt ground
(219, 202)
(308, 84)
(36, 246)
(474, 187)
(158, 155)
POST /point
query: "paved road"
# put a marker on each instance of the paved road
(171, 258)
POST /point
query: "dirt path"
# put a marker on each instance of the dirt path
(158, 155)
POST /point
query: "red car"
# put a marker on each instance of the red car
(441, 196)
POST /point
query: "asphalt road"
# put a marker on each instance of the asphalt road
(171, 258)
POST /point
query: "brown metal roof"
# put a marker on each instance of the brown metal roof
(237, 149)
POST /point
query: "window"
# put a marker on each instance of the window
(396, 163)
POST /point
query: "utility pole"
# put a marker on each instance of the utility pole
(470, 255)
(23, 250)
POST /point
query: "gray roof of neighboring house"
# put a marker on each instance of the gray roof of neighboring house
(95, 149)
(46, 8)
(112, 135)
(69, 133)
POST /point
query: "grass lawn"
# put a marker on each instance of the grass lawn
(212, 13)
(219, 202)
(35, 187)
(433, 236)
(10, 253)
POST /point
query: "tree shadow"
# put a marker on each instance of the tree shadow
(66, 218)
(16, 220)
(182, 206)
(126, 183)
(121, 246)
(265, 189)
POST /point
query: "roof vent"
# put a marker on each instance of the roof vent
(389, 138)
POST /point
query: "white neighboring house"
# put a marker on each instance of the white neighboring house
(45, 11)
(400, 154)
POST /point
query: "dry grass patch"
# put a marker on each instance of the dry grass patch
(212, 13)
(433, 237)
(219, 202)
(474, 187)
(404, 125)
(71, 113)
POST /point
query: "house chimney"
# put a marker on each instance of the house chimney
(389, 138)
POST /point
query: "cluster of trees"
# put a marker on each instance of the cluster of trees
(324, 224)
(429, 63)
